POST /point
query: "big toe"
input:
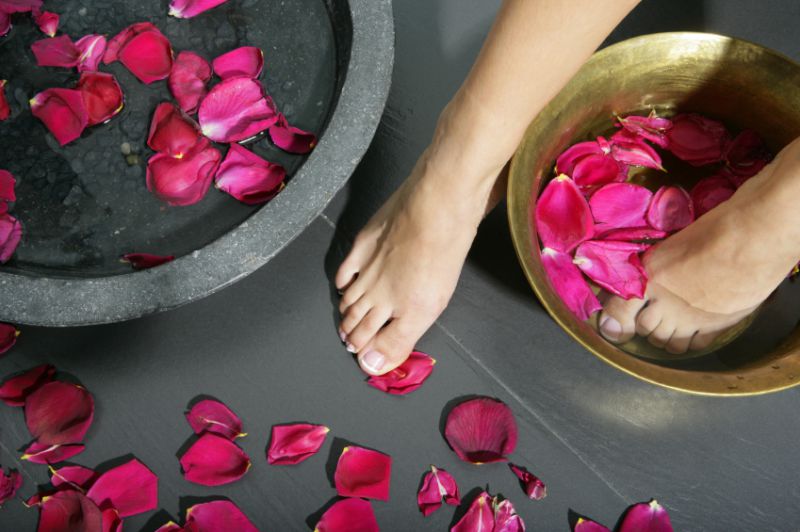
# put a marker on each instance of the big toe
(617, 322)
(391, 345)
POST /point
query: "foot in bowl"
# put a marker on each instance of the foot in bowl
(715, 272)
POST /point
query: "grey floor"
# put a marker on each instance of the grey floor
(268, 348)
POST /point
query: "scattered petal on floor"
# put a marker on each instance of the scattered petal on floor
(697, 139)
(295, 443)
(210, 415)
(59, 413)
(17, 388)
(144, 50)
(102, 96)
(533, 486)
(670, 209)
(291, 139)
(479, 516)
(69, 511)
(47, 22)
(248, 177)
(191, 8)
(10, 236)
(438, 485)
(481, 430)
(587, 525)
(92, 49)
(188, 80)
(5, 109)
(407, 377)
(646, 517)
(56, 52)
(73, 476)
(214, 460)
(8, 336)
(20, 6)
(217, 516)
(619, 205)
(506, 518)
(363, 473)
(145, 261)
(570, 285)
(130, 489)
(9, 485)
(563, 216)
(62, 111)
(183, 181)
(247, 61)
(38, 453)
(236, 110)
(172, 131)
(348, 515)
(614, 266)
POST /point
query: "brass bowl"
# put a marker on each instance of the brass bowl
(744, 85)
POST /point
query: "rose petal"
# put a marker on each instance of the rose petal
(171, 526)
(235, 110)
(9, 485)
(191, 8)
(144, 50)
(506, 518)
(670, 210)
(188, 79)
(652, 128)
(56, 52)
(363, 473)
(10, 236)
(247, 61)
(20, 6)
(646, 517)
(563, 217)
(217, 516)
(172, 131)
(92, 49)
(5, 23)
(481, 430)
(213, 416)
(249, 178)
(8, 337)
(438, 485)
(348, 515)
(17, 388)
(479, 516)
(568, 282)
(102, 96)
(112, 522)
(746, 155)
(47, 22)
(186, 180)
(120, 40)
(619, 205)
(5, 109)
(533, 487)
(295, 443)
(291, 139)
(59, 413)
(407, 377)
(74, 476)
(144, 261)
(38, 453)
(631, 150)
(62, 111)
(614, 266)
(587, 525)
(69, 511)
(633, 234)
(697, 139)
(130, 489)
(590, 164)
(710, 192)
(214, 460)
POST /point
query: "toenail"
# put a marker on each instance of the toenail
(342, 336)
(610, 328)
(351, 348)
(373, 361)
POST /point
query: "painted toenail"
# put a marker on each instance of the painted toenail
(351, 348)
(611, 328)
(343, 337)
(373, 361)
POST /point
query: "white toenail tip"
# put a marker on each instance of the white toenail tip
(343, 337)
(351, 348)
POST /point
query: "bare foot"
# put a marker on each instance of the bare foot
(715, 272)
(404, 266)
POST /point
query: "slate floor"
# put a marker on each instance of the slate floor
(268, 348)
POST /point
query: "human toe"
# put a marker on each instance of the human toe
(391, 346)
(680, 341)
(368, 327)
(617, 322)
(661, 335)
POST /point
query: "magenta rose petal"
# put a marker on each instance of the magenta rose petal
(59, 413)
(191, 8)
(145, 261)
(9, 485)
(130, 489)
(291, 139)
(236, 110)
(670, 210)
(214, 460)
(438, 485)
(746, 155)
(171, 526)
(38, 453)
(569, 283)
(614, 266)
(71, 511)
(112, 522)
(348, 515)
(247, 61)
(209, 415)
(102, 96)
(10, 236)
(62, 111)
(183, 181)
(20, 6)
(479, 516)
(172, 131)
(633, 234)
(249, 178)
(533, 486)
(407, 377)
(8, 337)
(5, 109)
(363, 473)
(590, 164)
(188, 80)
(630, 150)
(144, 50)
(7, 186)
(563, 217)
(646, 517)
(506, 518)
(697, 139)
(92, 49)
(75, 476)
(619, 205)
(120, 40)
(16, 388)
(587, 525)
(652, 128)
(56, 52)
(481, 430)
(47, 22)
(292, 444)
(217, 516)
(710, 192)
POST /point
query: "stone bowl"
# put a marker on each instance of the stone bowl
(744, 85)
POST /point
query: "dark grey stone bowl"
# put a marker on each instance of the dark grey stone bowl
(328, 67)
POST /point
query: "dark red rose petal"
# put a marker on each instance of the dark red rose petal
(481, 430)
(363, 473)
(670, 209)
(69, 511)
(348, 515)
(438, 485)
(697, 139)
(10, 236)
(407, 377)
(214, 460)
(247, 61)
(9, 485)
(534, 488)
(213, 416)
(249, 178)
(7, 186)
(8, 337)
(59, 413)
(102, 96)
(56, 52)
(5, 109)
(172, 131)
(144, 261)
(217, 516)
(290, 138)
(130, 489)
(183, 181)
(235, 110)
(47, 22)
(479, 516)
(16, 389)
(20, 6)
(710, 192)
(188, 79)
(63, 111)
(144, 50)
(73, 476)
(292, 444)
(38, 453)
(746, 155)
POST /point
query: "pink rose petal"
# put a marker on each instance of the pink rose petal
(506, 518)
(214, 460)
(92, 49)
(172, 526)
(120, 40)
(183, 181)
(5, 109)
(56, 52)
(62, 111)
(73, 476)
(591, 165)
(348, 515)
(69, 511)
(291, 139)
(438, 485)
(38, 453)
(697, 139)
(710, 192)
(8, 337)
(59, 413)
(20, 6)
(9, 485)
(619, 205)
(407, 377)
(10, 236)
(670, 209)
(570, 285)
(630, 150)
(217, 516)
(188, 79)
(235, 110)
(534, 488)
(652, 128)
(646, 517)
(112, 522)
(295, 443)
(633, 234)
(614, 266)
(191, 8)
(144, 50)
(209, 415)
(746, 155)
(481, 430)
(479, 516)
(563, 217)
(247, 61)
(363, 473)
(47, 22)
(587, 525)
(130, 489)
(144, 261)
(249, 178)
(102, 96)
(17, 388)
(172, 131)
